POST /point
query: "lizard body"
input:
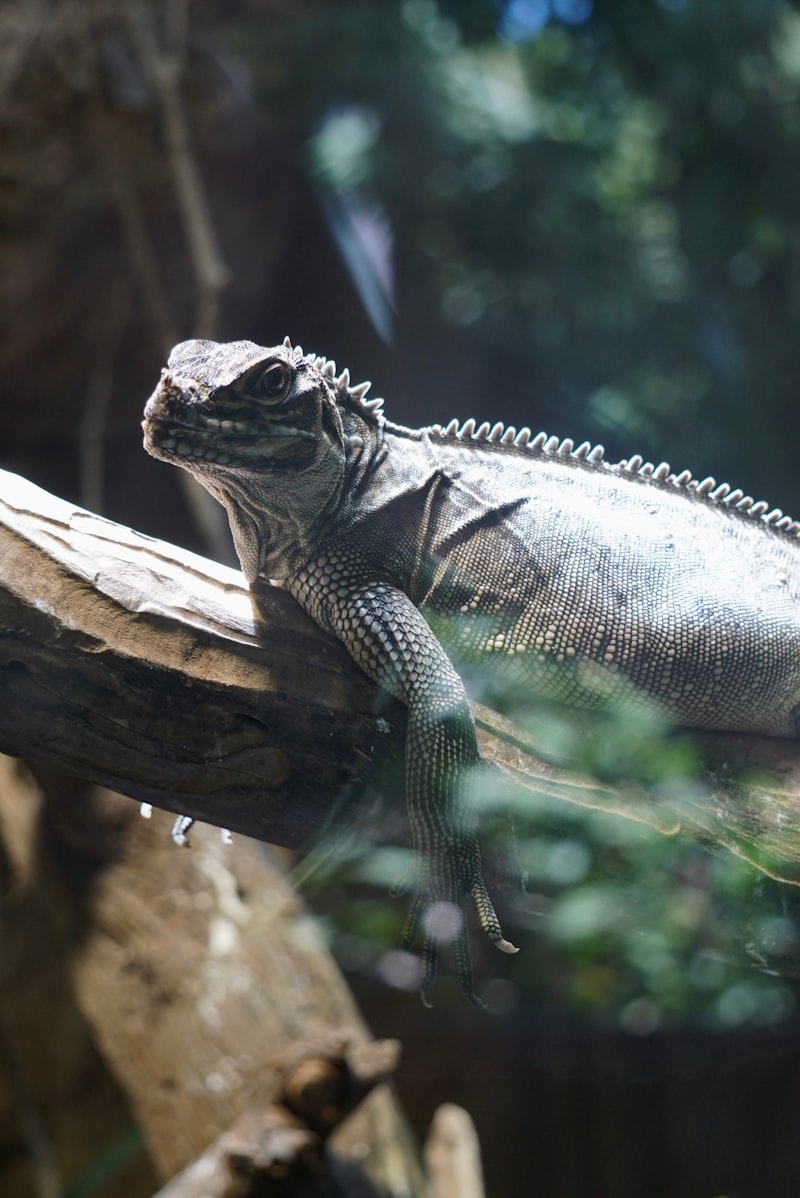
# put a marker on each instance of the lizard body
(577, 580)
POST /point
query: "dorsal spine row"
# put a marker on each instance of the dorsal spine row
(470, 432)
(352, 394)
(587, 454)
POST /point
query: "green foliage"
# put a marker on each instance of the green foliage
(597, 200)
(618, 919)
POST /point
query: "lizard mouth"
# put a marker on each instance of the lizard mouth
(187, 433)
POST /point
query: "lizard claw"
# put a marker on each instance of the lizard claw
(487, 917)
(506, 946)
(431, 892)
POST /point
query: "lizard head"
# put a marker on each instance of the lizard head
(262, 430)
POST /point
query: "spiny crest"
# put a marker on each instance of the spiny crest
(353, 395)
(662, 475)
(499, 434)
(470, 432)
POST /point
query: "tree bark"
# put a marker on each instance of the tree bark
(157, 673)
(196, 990)
(167, 991)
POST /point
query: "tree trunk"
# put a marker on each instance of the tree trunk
(146, 986)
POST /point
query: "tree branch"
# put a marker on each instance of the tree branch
(152, 671)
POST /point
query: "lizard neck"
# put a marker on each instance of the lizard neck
(368, 466)
(385, 462)
(276, 531)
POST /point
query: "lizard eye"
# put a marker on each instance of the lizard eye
(274, 383)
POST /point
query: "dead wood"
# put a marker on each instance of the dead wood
(152, 671)
(172, 990)
(453, 1155)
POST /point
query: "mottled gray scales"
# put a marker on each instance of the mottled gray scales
(427, 550)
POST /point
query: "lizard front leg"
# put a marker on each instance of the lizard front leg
(441, 755)
(391, 642)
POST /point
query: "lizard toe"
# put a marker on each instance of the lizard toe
(487, 916)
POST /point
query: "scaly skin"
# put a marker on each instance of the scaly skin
(575, 580)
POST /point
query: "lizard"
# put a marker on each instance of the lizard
(429, 550)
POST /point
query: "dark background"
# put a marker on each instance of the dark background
(579, 215)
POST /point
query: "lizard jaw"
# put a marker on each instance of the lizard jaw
(176, 442)
(186, 433)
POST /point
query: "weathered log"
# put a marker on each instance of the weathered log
(284, 1147)
(197, 987)
(156, 673)
(176, 988)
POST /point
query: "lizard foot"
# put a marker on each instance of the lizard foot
(437, 909)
